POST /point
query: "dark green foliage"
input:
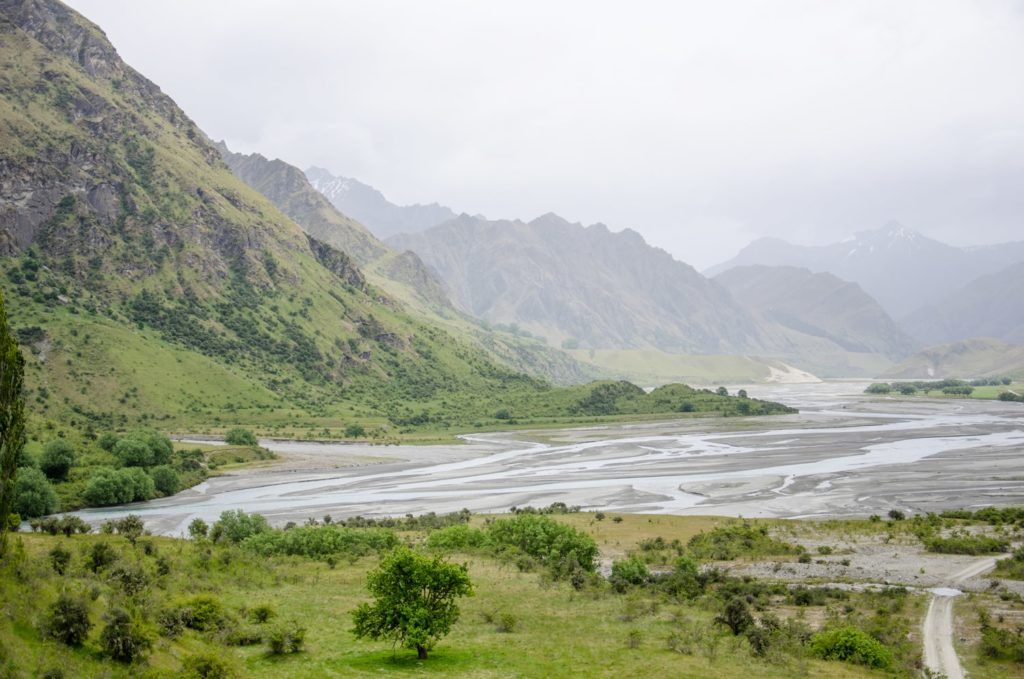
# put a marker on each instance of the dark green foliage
(1012, 567)
(118, 486)
(202, 612)
(554, 544)
(1000, 644)
(131, 527)
(123, 637)
(456, 538)
(131, 578)
(354, 430)
(603, 398)
(1010, 396)
(240, 437)
(851, 645)
(736, 616)
(60, 559)
(414, 600)
(205, 666)
(321, 541)
(99, 556)
(143, 448)
(967, 544)
(107, 441)
(165, 479)
(33, 494)
(629, 572)
(725, 543)
(68, 620)
(684, 581)
(261, 613)
(897, 515)
(198, 529)
(12, 420)
(235, 526)
(57, 459)
(285, 637)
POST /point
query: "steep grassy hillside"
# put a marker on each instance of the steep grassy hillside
(149, 285)
(402, 275)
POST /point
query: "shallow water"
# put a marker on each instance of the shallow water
(843, 455)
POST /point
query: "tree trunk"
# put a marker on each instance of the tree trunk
(421, 652)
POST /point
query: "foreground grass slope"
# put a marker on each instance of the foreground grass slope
(522, 621)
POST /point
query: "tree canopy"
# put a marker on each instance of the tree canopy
(12, 419)
(414, 600)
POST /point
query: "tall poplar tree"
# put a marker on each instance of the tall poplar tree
(12, 419)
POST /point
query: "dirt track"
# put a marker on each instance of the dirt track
(939, 652)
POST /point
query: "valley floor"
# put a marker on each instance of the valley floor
(844, 455)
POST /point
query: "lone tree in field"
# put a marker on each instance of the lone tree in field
(414, 600)
(12, 419)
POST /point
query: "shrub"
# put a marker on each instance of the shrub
(684, 580)
(321, 541)
(631, 571)
(896, 515)
(201, 612)
(354, 431)
(132, 453)
(507, 623)
(99, 556)
(124, 638)
(454, 538)
(60, 559)
(235, 526)
(851, 645)
(736, 616)
(198, 529)
(118, 486)
(107, 441)
(725, 543)
(68, 620)
(545, 539)
(285, 637)
(130, 577)
(58, 458)
(240, 437)
(262, 613)
(33, 494)
(165, 479)
(967, 544)
(205, 666)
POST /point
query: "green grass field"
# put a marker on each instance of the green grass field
(557, 631)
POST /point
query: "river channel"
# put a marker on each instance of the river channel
(844, 454)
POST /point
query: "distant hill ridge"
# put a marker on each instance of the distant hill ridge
(369, 206)
(898, 266)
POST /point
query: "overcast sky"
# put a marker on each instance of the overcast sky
(702, 125)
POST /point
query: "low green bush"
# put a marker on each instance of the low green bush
(852, 645)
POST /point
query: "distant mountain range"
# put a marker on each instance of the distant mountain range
(819, 305)
(989, 306)
(899, 267)
(583, 285)
(369, 206)
(592, 288)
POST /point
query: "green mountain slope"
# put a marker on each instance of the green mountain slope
(151, 285)
(402, 275)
